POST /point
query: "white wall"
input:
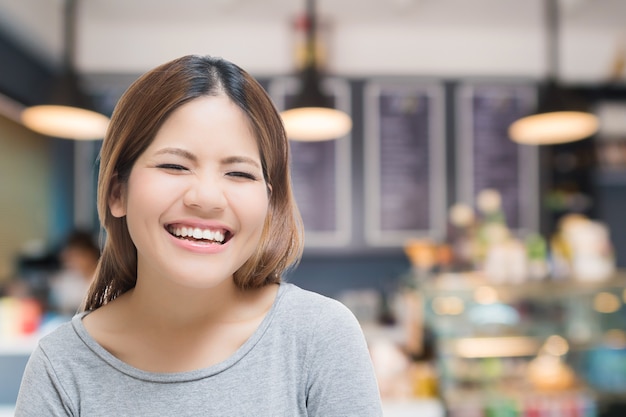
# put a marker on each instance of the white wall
(367, 37)
(355, 48)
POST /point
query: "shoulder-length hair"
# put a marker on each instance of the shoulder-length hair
(136, 119)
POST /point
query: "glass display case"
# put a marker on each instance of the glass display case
(554, 348)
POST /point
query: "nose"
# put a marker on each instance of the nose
(205, 194)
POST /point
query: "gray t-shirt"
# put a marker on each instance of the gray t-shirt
(307, 358)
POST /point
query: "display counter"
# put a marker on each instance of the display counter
(531, 346)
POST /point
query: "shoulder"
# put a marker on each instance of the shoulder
(319, 318)
(312, 307)
(60, 338)
(56, 370)
(340, 379)
(64, 348)
(310, 301)
(56, 356)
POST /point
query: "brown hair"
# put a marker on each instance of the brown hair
(138, 116)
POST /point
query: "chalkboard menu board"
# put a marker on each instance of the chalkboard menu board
(488, 158)
(404, 162)
(321, 172)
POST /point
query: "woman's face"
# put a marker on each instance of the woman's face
(196, 200)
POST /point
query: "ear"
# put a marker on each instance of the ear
(117, 198)
(269, 189)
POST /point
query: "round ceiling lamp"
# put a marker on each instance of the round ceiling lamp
(65, 122)
(316, 123)
(69, 114)
(312, 116)
(553, 128)
(562, 116)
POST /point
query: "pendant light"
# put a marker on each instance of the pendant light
(312, 116)
(562, 116)
(69, 115)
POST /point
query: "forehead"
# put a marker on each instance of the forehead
(206, 106)
(215, 119)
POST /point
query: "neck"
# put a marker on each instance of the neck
(176, 306)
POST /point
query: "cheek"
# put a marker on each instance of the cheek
(144, 201)
(255, 206)
(146, 191)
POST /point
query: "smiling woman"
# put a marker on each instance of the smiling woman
(188, 310)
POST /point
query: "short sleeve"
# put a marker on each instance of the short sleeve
(341, 379)
(40, 391)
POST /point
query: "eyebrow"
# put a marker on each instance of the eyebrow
(227, 161)
(178, 152)
(241, 159)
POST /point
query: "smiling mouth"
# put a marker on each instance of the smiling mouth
(196, 234)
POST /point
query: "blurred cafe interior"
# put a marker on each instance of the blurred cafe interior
(482, 254)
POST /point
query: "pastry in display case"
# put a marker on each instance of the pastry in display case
(534, 348)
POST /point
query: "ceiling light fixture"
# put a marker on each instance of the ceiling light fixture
(69, 115)
(312, 116)
(562, 116)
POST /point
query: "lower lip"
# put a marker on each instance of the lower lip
(198, 247)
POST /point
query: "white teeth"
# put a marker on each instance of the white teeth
(198, 233)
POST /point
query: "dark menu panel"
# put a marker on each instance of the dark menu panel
(403, 161)
(404, 168)
(313, 174)
(489, 158)
(321, 173)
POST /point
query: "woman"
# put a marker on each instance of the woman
(187, 314)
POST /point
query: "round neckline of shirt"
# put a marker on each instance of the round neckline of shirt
(109, 358)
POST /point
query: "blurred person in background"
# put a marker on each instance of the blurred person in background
(78, 261)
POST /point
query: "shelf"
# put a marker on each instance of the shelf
(465, 282)
(579, 402)
(492, 347)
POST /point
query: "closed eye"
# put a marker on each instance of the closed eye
(241, 174)
(173, 167)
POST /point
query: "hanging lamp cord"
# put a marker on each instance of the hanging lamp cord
(311, 24)
(552, 41)
(69, 35)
